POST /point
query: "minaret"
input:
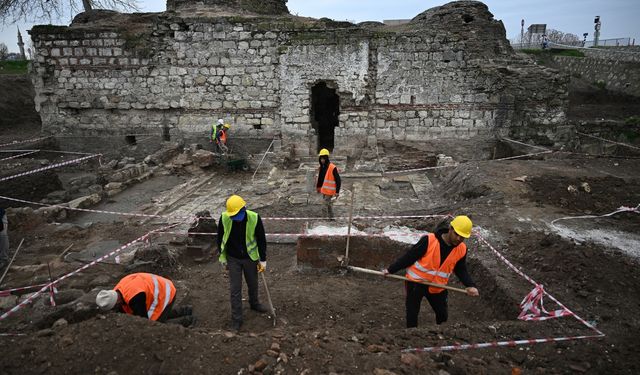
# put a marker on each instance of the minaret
(21, 45)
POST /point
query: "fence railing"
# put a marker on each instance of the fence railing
(615, 42)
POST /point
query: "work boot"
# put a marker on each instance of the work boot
(188, 321)
(260, 308)
(184, 310)
(235, 325)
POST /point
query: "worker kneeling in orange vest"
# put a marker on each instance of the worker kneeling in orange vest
(328, 182)
(146, 295)
(434, 258)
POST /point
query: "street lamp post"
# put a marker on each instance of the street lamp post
(596, 35)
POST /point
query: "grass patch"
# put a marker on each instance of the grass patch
(567, 52)
(14, 67)
(531, 51)
(553, 51)
(632, 121)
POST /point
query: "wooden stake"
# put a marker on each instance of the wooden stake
(379, 273)
(9, 265)
(61, 256)
(346, 254)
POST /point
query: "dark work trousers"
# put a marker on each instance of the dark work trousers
(171, 315)
(415, 293)
(238, 267)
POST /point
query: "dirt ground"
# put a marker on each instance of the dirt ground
(329, 320)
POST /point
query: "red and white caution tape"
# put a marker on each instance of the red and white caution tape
(359, 217)
(7, 292)
(533, 307)
(524, 144)
(50, 167)
(495, 344)
(525, 155)
(25, 141)
(529, 279)
(327, 234)
(635, 209)
(94, 211)
(190, 217)
(20, 155)
(58, 280)
(418, 169)
(610, 141)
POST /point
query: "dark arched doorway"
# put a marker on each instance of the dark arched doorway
(325, 109)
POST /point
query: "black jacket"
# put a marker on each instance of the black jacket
(418, 250)
(323, 172)
(236, 246)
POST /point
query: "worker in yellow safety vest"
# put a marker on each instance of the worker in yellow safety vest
(328, 181)
(243, 250)
(434, 258)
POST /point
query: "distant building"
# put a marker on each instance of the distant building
(13, 57)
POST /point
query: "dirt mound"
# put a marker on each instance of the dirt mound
(19, 118)
(588, 195)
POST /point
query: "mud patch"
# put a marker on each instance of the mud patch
(587, 195)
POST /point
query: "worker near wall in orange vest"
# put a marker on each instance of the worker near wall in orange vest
(243, 250)
(328, 183)
(146, 295)
(434, 258)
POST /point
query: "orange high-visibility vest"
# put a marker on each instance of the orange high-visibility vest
(223, 137)
(329, 184)
(158, 290)
(428, 267)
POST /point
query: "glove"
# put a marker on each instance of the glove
(224, 265)
(262, 266)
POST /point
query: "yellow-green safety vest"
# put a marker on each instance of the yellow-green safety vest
(250, 236)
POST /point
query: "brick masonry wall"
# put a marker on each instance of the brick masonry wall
(177, 76)
(618, 72)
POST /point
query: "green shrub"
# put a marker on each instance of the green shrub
(600, 84)
(633, 121)
(14, 67)
(567, 52)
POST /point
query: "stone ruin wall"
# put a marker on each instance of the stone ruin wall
(178, 75)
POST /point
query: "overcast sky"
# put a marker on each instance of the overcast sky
(619, 17)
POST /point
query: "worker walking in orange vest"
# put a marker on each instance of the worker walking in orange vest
(328, 182)
(434, 258)
(146, 295)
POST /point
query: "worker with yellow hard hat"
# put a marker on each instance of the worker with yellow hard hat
(328, 182)
(219, 134)
(433, 259)
(243, 250)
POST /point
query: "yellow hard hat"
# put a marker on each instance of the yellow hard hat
(324, 152)
(227, 126)
(462, 225)
(235, 204)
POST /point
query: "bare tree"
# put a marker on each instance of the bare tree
(4, 51)
(554, 36)
(35, 10)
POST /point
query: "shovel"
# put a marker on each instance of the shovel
(266, 288)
